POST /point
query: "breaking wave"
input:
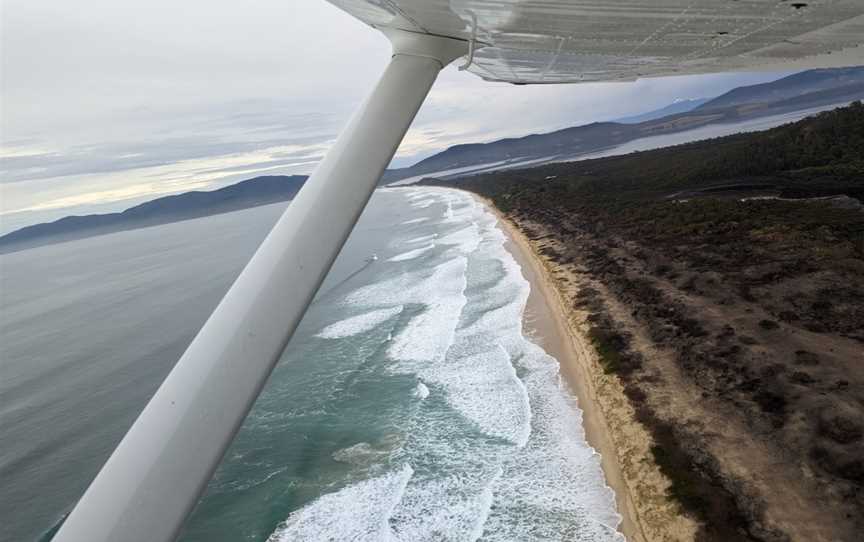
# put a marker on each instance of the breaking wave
(358, 324)
(358, 512)
(498, 451)
(412, 254)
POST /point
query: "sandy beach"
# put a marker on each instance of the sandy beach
(721, 325)
(647, 514)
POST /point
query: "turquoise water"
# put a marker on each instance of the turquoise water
(408, 406)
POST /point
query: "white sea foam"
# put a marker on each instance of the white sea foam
(428, 335)
(416, 240)
(446, 508)
(359, 512)
(362, 453)
(552, 487)
(555, 482)
(421, 391)
(358, 324)
(465, 239)
(423, 203)
(483, 387)
(416, 194)
(536, 478)
(412, 254)
(415, 221)
(487, 498)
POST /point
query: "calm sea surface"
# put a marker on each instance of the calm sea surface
(409, 405)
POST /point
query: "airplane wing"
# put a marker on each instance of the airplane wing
(571, 41)
(154, 477)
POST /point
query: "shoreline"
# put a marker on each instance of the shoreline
(546, 322)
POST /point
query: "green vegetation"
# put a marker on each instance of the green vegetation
(609, 346)
(818, 156)
(733, 256)
(746, 206)
(684, 484)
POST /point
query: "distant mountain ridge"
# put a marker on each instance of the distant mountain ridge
(793, 93)
(679, 106)
(251, 193)
(793, 86)
(812, 88)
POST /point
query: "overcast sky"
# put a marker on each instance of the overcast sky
(107, 103)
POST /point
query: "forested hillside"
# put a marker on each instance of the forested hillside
(722, 282)
(822, 155)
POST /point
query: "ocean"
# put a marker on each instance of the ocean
(410, 405)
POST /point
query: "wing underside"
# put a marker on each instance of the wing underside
(557, 41)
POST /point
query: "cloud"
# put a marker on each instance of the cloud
(123, 157)
(101, 107)
(115, 194)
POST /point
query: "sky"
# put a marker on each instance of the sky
(108, 103)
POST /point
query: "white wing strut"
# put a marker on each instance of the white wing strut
(156, 475)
